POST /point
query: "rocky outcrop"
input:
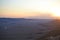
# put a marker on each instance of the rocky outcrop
(53, 34)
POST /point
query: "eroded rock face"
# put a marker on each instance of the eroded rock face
(54, 34)
(53, 38)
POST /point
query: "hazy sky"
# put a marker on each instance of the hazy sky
(28, 8)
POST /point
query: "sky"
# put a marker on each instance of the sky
(29, 8)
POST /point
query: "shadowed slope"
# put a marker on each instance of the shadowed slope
(54, 34)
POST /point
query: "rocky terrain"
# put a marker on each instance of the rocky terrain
(53, 34)
(22, 29)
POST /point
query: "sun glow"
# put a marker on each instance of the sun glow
(56, 12)
(27, 8)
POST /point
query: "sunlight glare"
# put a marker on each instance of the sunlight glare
(56, 12)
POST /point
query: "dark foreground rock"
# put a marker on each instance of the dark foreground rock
(53, 34)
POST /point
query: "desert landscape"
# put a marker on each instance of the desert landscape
(29, 29)
(53, 34)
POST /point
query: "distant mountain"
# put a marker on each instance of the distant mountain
(40, 17)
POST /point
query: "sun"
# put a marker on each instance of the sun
(56, 12)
